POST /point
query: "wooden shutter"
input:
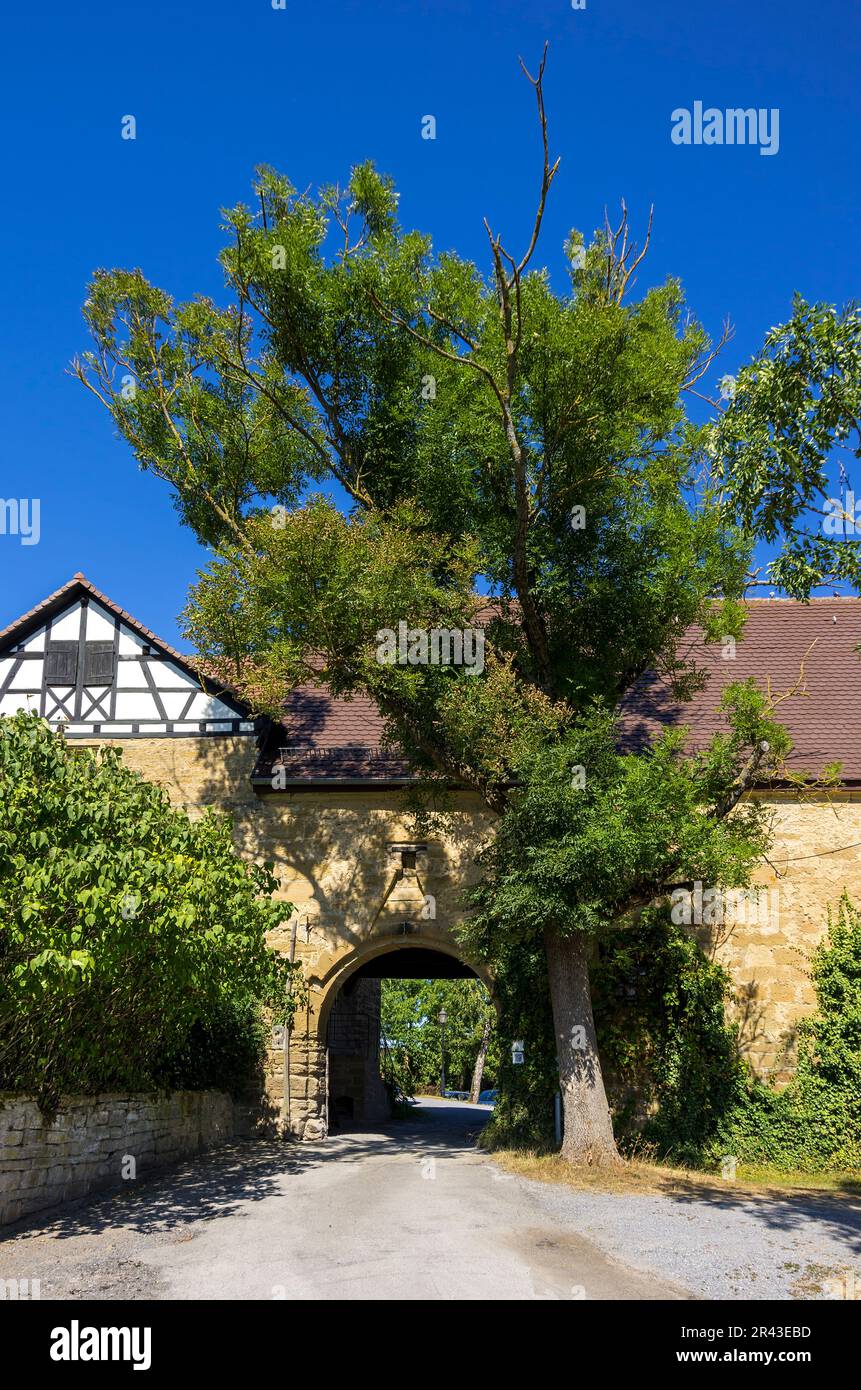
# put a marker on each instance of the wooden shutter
(61, 663)
(99, 663)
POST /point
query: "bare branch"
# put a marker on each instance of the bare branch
(700, 367)
(548, 172)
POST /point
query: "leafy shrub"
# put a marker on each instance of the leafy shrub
(523, 1117)
(671, 1057)
(132, 940)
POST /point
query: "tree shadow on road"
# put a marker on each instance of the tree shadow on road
(217, 1184)
(837, 1215)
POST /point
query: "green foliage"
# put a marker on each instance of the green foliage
(671, 1061)
(670, 1057)
(674, 1072)
(411, 1027)
(523, 1117)
(485, 428)
(132, 940)
(798, 399)
(578, 848)
(814, 1123)
(490, 434)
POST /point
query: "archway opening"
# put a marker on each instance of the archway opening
(408, 1022)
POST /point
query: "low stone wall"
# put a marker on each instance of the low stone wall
(96, 1143)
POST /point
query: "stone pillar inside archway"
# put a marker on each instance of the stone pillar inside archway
(295, 1079)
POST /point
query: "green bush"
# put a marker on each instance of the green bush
(677, 1078)
(132, 940)
(671, 1058)
(523, 1117)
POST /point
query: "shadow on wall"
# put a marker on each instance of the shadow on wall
(330, 846)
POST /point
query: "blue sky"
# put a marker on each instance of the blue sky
(219, 87)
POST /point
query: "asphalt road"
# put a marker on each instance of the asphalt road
(412, 1211)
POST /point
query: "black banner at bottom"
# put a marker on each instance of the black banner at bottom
(84, 1339)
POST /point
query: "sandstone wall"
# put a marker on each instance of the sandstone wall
(815, 855)
(331, 852)
(100, 1142)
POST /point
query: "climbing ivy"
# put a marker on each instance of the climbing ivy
(677, 1083)
(523, 1115)
(814, 1123)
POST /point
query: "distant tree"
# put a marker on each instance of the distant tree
(481, 1060)
(411, 1027)
(490, 432)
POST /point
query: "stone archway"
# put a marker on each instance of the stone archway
(332, 1053)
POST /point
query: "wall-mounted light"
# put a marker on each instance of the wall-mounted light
(408, 853)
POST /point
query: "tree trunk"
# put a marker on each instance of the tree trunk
(587, 1127)
(480, 1060)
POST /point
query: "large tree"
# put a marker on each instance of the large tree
(369, 433)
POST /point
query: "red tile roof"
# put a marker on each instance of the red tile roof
(781, 639)
(328, 740)
(322, 739)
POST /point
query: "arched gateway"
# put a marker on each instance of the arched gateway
(367, 894)
(338, 1041)
(324, 805)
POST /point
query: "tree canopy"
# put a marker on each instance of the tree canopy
(371, 433)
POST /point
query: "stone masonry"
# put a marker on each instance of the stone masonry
(331, 849)
(96, 1143)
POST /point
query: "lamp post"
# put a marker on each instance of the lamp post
(443, 1019)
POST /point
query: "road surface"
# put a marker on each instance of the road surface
(412, 1211)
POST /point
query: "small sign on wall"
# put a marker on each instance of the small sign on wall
(517, 1052)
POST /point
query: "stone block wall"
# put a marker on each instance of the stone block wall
(96, 1143)
(330, 851)
(815, 856)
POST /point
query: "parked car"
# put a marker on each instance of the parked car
(487, 1097)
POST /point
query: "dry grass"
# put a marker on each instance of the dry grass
(640, 1176)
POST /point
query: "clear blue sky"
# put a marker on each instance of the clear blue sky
(217, 87)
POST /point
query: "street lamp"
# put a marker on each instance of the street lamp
(443, 1019)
